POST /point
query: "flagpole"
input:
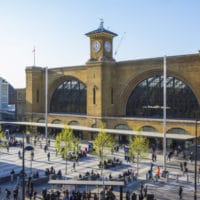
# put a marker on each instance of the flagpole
(33, 56)
(164, 111)
(46, 103)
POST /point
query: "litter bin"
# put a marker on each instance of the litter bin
(164, 174)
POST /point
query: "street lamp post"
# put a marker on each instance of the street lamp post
(195, 164)
(24, 148)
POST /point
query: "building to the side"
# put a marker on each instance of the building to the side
(125, 95)
(7, 100)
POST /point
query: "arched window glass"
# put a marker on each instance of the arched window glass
(69, 97)
(122, 127)
(56, 121)
(178, 131)
(146, 100)
(74, 123)
(149, 129)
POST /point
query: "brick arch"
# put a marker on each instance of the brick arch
(133, 82)
(56, 121)
(177, 127)
(74, 123)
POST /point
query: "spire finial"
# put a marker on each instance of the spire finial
(101, 23)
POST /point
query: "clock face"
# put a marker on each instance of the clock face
(107, 46)
(96, 46)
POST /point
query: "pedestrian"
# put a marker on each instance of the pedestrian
(191, 157)
(181, 166)
(7, 147)
(185, 166)
(12, 173)
(48, 156)
(180, 192)
(158, 172)
(152, 166)
(152, 157)
(127, 195)
(8, 193)
(133, 196)
(35, 195)
(145, 191)
(45, 148)
(155, 157)
(15, 193)
(19, 154)
(74, 166)
(141, 196)
(32, 155)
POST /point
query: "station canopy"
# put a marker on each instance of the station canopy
(111, 131)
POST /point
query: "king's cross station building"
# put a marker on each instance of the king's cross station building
(125, 96)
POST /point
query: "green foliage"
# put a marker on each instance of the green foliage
(65, 142)
(139, 145)
(102, 141)
(2, 135)
(138, 148)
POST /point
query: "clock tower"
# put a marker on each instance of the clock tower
(101, 44)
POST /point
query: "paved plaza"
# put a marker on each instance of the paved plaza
(162, 189)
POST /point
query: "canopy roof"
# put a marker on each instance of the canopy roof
(112, 131)
(84, 182)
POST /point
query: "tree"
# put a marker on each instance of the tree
(2, 137)
(138, 148)
(64, 143)
(102, 141)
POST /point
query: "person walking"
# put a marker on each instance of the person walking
(8, 193)
(48, 156)
(134, 196)
(32, 155)
(181, 166)
(180, 192)
(74, 166)
(15, 193)
(158, 172)
(19, 154)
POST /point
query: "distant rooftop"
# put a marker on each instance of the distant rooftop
(101, 29)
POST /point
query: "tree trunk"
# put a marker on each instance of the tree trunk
(66, 167)
(137, 164)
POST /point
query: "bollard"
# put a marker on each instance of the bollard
(177, 178)
(146, 176)
(167, 178)
(187, 178)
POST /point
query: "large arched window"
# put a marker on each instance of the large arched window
(69, 97)
(146, 100)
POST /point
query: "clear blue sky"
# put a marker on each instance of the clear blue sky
(56, 28)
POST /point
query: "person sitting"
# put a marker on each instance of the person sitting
(59, 174)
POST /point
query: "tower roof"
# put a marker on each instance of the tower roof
(101, 29)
